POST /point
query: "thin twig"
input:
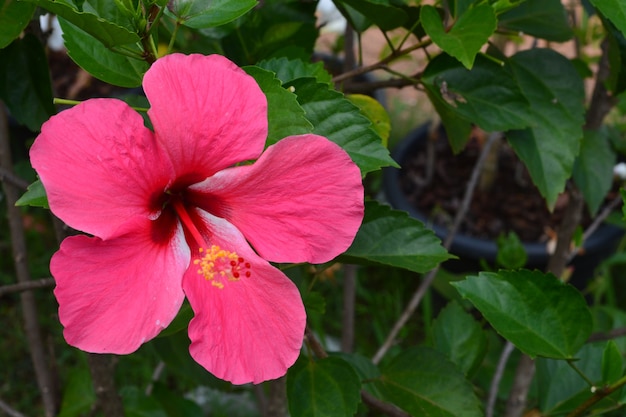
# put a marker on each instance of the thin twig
(382, 63)
(26, 286)
(611, 334)
(497, 377)
(8, 410)
(349, 300)
(597, 221)
(8, 176)
(43, 373)
(367, 398)
(429, 278)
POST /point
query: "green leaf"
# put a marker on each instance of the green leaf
(78, 395)
(423, 382)
(612, 363)
(376, 114)
(614, 10)
(14, 17)
(25, 82)
(616, 81)
(365, 369)
(535, 311)
(110, 34)
(461, 338)
(511, 253)
(487, 95)
(290, 69)
(381, 12)
(34, 196)
(271, 30)
(561, 389)
(174, 351)
(207, 14)
(466, 37)
(327, 387)
(137, 404)
(555, 91)
(100, 61)
(314, 302)
(175, 404)
(545, 19)
(593, 169)
(391, 237)
(334, 117)
(285, 116)
(457, 129)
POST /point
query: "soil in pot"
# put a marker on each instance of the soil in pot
(510, 203)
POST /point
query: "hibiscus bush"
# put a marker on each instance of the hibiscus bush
(215, 233)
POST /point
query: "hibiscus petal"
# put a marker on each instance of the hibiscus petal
(115, 295)
(208, 112)
(99, 165)
(251, 330)
(302, 201)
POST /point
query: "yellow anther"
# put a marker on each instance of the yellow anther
(218, 265)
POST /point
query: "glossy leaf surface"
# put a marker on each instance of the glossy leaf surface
(535, 311)
(391, 237)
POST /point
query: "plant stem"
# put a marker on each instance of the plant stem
(43, 373)
(8, 410)
(26, 286)
(8, 176)
(598, 395)
(349, 300)
(580, 373)
(382, 63)
(170, 45)
(497, 377)
(367, 398)
(430, 277)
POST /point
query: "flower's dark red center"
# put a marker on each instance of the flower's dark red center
(215, 264)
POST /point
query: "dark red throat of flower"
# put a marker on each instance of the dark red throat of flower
(215, 264)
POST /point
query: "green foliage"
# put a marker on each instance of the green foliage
(286, 117)
(25, 82)
(14, 16)
(35, 196)
(460, 337)
(487, 95)
(593, 170)
(536, 97)
(423, 382)
(200, 15)
(535, 311)
(511, 253)
(391, 237)
(382, 13)
(325, 387)
(551, 142)
(614, 10)
(545, 19)
(336, 118)
(466, 37)
(78, 395)
(94, 57)
(108, 33)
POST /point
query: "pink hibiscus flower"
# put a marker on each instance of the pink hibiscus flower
(171, 214)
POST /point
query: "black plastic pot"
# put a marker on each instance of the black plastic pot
(471, 250)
